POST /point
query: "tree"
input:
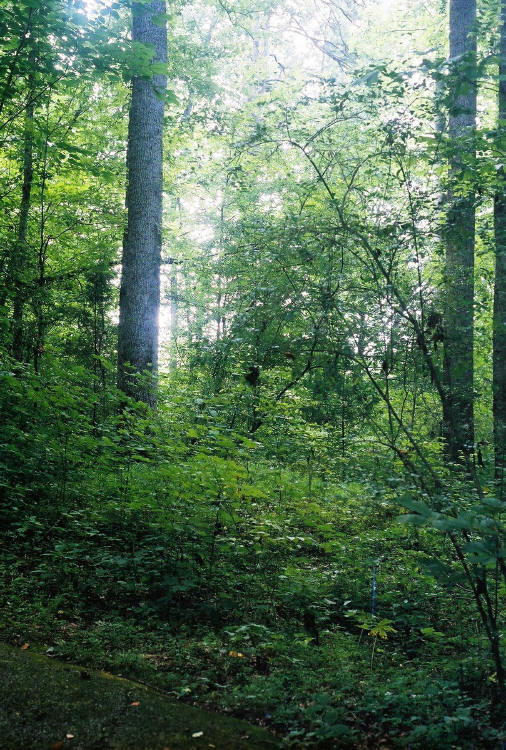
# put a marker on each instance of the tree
(140, 281)
(499, 356)
(458, 406)
(20, 256)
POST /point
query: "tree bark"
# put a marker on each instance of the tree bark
(499, 320)
(458, 406)
(140, 280)
(20, 254)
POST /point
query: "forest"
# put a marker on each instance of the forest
(253, 371)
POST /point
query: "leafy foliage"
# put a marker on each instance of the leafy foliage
(283, 538)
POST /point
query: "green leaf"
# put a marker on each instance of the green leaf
(412, 519)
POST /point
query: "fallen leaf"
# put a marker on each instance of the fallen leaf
(197, 734)
(25, 646)
(236, 654)
(135, 703)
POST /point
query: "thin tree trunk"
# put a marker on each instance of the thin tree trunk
(458, 412)
(187, 309)
(220, 320)
(140, 281)
(499, 325)
(39, 300)
(21, 255)
(174, 298)
(174, 314)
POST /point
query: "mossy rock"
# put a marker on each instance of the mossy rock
(42, 701)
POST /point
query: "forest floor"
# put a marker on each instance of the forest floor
(48, 704)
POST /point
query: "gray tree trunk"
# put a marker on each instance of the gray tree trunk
(21, 253)
(458, 407)
(140, 279)
(499, 325)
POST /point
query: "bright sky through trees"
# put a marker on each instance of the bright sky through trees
(92, 7)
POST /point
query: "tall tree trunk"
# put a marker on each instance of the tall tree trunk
(220, 319)
(140, 280)
(499, 326)
(174, 314)
(39, 299)
(458, 412)
(20, 254)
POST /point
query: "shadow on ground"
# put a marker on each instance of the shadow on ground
(47, 704)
